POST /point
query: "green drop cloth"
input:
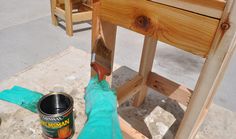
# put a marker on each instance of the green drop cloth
(21, 96)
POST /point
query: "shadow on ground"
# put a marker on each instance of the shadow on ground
(77, 30)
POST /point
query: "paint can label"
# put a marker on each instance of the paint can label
(61, 127)
(56, 116)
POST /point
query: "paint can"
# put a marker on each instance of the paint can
(56, 116)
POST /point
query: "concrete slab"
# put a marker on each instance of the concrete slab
(227, 89)
(14, 12)
(64, 71)
(70, 70)
(26, 44)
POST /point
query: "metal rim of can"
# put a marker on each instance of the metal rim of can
(70, 107)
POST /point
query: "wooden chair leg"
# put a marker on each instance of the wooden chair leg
(68, 17)
(53, 16)
(222, 49)
(148, 54)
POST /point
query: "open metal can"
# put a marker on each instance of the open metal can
(56, 116)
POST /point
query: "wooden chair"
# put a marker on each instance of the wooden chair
(206, 28)
(71, 11)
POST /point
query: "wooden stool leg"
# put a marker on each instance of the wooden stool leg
(148, 54)
(95, 29)
(53, 16)
(68, 17)
(107, 30)
(211, 74)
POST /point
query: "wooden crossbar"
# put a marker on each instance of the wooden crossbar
(60, 13)
(128, 89)
(83, 16)
(126, 86)
(169, 88)
(129, 132)
(76, 17)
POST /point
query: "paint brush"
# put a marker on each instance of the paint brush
(101, 59)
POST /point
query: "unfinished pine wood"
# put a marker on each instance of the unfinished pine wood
(76, 17)
(89, 2)
(71, 11)
(186, 30)
(199, 121)
(192, 32)
(126, 82)
(108, 31)
(61, 1)
(213, 70)
(53, 8)
(129, 89)
(88, 6)
(169, 88)
(95, 23)
(60, 13)
(212, 8)
(83, 16)
(218, 37)
(148, 54)
(95, 29)
(129, 132)
(68, 17)
(105, 29)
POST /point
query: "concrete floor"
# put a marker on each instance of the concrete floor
(157, 118)
(27, 37)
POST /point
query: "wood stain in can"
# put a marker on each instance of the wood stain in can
(56, 116)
